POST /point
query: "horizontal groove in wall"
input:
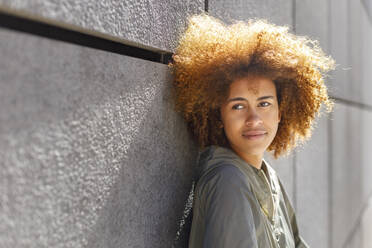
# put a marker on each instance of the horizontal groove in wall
(352, 103)
(33, 27)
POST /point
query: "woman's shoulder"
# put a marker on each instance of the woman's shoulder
(216, 160)
(223, 171)
(226, 177)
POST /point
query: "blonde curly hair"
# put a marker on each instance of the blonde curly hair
(211, 55)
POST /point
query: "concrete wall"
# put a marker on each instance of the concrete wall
(313, 160)
(93, 155)
(333, 185)
(152, 24)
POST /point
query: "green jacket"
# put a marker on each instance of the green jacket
(238, 206)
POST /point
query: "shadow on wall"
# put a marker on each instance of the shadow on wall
(147, 200)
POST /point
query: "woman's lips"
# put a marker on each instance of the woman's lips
(254, 135)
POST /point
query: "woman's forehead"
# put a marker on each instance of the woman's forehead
(253, 85)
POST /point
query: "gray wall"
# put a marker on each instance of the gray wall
(93, 155)
(333, 183)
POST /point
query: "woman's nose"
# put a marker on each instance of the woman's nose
(253, 118)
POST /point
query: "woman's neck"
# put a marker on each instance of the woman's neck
(254, 160)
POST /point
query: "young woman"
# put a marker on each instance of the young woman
(245, 89)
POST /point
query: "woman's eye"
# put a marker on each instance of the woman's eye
(265, 104)
(237, 106)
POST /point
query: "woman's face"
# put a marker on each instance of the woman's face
(250, 116)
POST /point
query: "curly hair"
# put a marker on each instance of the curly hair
(210, 55)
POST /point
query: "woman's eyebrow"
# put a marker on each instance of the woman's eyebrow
(265, 97)
(237, 99)
(243, 99)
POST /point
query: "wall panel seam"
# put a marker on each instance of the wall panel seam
(368, 10)
(330, 180)
(38, 28)
(358, 221)
(351, 103)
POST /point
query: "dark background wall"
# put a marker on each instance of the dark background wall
(92, 153)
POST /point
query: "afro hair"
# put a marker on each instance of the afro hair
(210, 55)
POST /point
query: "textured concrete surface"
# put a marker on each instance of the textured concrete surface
(312, 168)
(276, 11)
(361, 52)
(351, 36)
(312, 20)
(361, 237)
(368, 6)
(341, 83)
(351, 156)
(312, 164)
(356, 38)
(365, 55)
(366, 157)
(346, 173)
(356, 240)
(92, 153)
(366, 225)
(150, 23)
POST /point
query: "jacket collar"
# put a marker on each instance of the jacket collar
(266, 189)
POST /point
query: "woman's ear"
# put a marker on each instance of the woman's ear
(280, 117)
(220, 124)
